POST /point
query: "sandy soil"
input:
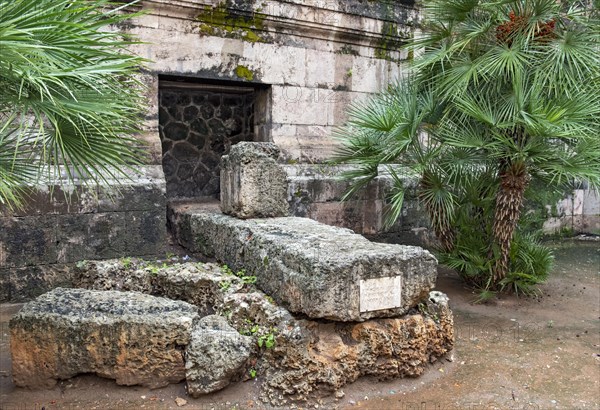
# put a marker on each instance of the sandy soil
(512, 353)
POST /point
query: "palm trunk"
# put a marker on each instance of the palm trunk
(509, 202)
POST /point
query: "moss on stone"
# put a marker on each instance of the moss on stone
(219, 21)
(390, 39)
(386, 43)
(347, 50)
(244, 72)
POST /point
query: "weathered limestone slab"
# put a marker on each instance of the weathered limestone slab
(253, 184)
(127, 336)
(217, 354)
(312, 268)
(199, 284)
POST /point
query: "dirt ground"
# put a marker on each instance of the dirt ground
(512, 353)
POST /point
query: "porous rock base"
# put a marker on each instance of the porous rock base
(312, 359)
(306, 359)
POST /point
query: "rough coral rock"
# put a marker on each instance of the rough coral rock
(253, 184)
(201, 284)
(127, 336)
(217, 354)
(312, 359)
(113, 274)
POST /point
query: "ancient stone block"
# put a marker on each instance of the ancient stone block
(253, 184)
(109, 235)
(115, 274)
(200, 284)
(316, 191)
(26, 241)
(127, 336)
(51, 199)
(146, 193)
(217, 354)
(312, 268)
(24, 284)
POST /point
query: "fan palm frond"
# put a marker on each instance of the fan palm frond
(70, 91)
(502, 96)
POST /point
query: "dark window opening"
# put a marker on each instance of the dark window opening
(199, 121)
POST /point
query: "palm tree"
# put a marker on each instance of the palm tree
(502, 95)
(69, 93)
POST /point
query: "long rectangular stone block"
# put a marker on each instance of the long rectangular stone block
(315, 269)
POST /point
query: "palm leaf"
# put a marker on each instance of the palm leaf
(75, 83)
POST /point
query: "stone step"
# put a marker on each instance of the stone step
(200, 284)
(127, 336)
(311, 268)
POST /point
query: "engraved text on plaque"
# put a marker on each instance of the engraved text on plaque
(380, 293)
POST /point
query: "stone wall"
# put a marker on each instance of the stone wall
(62, 225)
(579, 212)
(305, 62)
(317, 57)
(316, 192)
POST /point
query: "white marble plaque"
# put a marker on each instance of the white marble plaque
(380, 293)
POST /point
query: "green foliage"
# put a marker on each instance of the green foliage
(246, 279)
(250, 328)
(530, 262)
(69, 96)
(500, 111)
(244, 72)
(267, 340)
(225, 285)
(252, 373)
(484, 296)
(226, 270)
(153, 269)
(265, 336)
(218, 21)
(249, 280)
(126, 262)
